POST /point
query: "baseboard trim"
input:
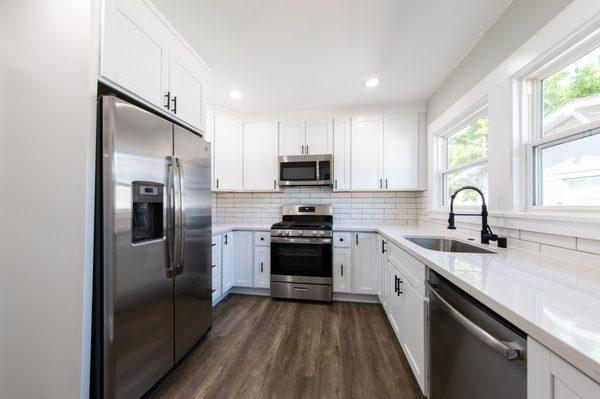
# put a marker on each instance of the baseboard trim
(337, 296)
(343, 297)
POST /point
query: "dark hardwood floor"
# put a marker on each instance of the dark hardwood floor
(263, 348)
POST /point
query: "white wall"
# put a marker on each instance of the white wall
(47, 119)
(521, 20)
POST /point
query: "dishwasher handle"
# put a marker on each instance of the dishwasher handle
(487, 338)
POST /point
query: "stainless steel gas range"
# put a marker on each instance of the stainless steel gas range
(301, 265)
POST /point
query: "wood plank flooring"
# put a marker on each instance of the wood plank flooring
(264, 348)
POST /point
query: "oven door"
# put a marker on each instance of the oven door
(305, 170)
(301, 260)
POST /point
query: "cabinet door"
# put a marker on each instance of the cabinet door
(135, 50)
(186, 87)
(381, 258)
(216, 274)
(395, 302)
(414, 332)
(242, 259)
(367, 153)
(364, 263)
(550, 377)
(401, 152)
(262, 267)
(341, 154)
(227, 262)
(292, 138)
(260, 157)
(210, 137)
(229, 154)
(319, 136)
(342, 270)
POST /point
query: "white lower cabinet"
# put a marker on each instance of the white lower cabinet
(405, 304)
(242, 259)
(414, 332)
(216, 274)
(227, 262)
(551, 377)
(342, 270)
(364, 263)
(262, 267)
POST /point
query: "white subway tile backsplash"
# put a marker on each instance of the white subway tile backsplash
(348, 208)
(549, 239)
(587, 245)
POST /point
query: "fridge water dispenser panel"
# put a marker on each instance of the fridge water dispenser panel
(147, 211)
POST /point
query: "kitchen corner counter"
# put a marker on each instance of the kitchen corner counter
(545, 297)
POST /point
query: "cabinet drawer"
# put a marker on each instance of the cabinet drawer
(342, 240)
(217, 239)
(262, 238)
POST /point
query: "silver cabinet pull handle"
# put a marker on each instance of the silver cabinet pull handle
(487, 338)
(386, 183)
(302, 149)
(307, 149)
(342, 266)
(261, 267)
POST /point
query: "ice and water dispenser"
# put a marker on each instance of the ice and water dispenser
(147, 211)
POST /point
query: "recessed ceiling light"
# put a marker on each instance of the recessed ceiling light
(372, 82)
(236, 95)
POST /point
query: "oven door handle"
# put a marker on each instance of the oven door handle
(299, 240)
(493, 342)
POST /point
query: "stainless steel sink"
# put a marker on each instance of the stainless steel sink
(447, 245)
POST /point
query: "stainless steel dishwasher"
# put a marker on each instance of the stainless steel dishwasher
(474, 353)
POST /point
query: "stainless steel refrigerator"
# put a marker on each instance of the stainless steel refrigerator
(152, 288)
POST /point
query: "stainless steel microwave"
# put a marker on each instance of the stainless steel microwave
(305, 170)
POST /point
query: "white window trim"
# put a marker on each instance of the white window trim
(475, 113)
(578, 45)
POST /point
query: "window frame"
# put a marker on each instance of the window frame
(533, 114)
(462, 122)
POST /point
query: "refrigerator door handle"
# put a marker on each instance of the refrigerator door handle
(171, 239)
(181, 216)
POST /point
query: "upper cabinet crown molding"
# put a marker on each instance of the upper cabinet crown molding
(143, 55)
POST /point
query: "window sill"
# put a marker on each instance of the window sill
(583, 224)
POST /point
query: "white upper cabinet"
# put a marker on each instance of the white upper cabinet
(367, 153)
(401, 152)
(341, 153)
(260, 157)
(186, 88)
(319, 136)
(142, 54)
(292, 137)
(228, 143)
(300, 137)
(135, 51)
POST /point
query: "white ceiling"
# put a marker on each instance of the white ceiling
(307, 54)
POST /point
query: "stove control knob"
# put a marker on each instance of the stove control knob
(314, 233)
(300, 233)
(286, 233)
(321, 233)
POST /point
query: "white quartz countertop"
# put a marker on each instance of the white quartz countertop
(543, 296)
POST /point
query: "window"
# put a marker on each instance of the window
(565, 139)
(464, 160)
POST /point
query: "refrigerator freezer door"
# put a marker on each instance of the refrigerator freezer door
(193, 283)
(138, 295)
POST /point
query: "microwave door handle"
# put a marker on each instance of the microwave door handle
(170, 213)
(181, 216)
(487, 338)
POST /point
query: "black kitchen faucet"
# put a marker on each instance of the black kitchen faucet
(486, 231)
